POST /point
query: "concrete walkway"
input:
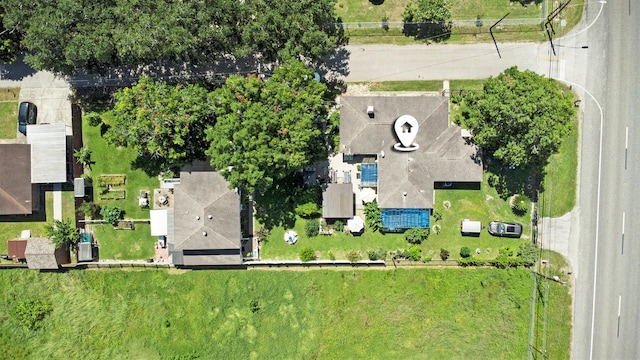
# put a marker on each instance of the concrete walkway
(57, 201)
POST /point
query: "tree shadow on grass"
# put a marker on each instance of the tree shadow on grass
(431, 31)
(509, 181)
(276, 206)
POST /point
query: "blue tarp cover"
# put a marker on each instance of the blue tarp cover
(398, 219)
(369, 174)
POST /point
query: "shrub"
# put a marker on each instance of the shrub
(426, 259)
(312, 228)
(382, 254)
(373, 255)
(416, 236)
(400, 254)
(338, 226)
(93, 118)
(308, 210)
(330, 255)
(520, 204)
(307, 254)
(169, 174)
(30, 313)
(437, 215)
(444, 254)
(373, 216)
(262, 234)
(63, 232)
(506, 251)
(528, 253)
(353, 256)
(89, 209)
(503, 261)
(414, 253)
(470, 261)
(112, 214)
(254, 305)
(437, 229)
(465, 252)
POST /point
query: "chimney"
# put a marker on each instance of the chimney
(370, 112)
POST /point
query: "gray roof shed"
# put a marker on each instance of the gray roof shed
(41, 253)
(337, 201)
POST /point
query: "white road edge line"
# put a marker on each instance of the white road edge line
(619, 304)
(595, 255)
(623, 214)
(602, 2)
(626, 137)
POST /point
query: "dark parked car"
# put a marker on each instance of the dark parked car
(27, 114)
(497, 228)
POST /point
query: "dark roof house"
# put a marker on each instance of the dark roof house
(42, 254)
(206, 220)
(16, 192)
(413, 153)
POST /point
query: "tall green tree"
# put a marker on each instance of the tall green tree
(10, 39)
(70, 36)
(520, 117)
(427, 19)
(63, 232)
(278, 30)
(267, 129)
(164, 123)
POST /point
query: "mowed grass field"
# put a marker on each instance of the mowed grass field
(321, 314)
(368, 11)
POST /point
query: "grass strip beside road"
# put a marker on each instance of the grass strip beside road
(321, 314)
(8, 119)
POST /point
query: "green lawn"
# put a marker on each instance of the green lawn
(366, 12)
(415, 85)
(484, 205)
(120, 244)
(322, 314)
(125, 244)
(109, 159)
(562, 172)
(8, 119)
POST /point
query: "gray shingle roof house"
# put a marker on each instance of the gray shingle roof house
(407, 175)
(42, 254)
(206, 220)
(16, 191)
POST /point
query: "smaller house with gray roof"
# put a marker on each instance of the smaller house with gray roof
(42, 254)
(206, 227)
(414, 150)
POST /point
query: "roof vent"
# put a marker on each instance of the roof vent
(204, 233)
(370, 112)
(197, 217)
(210, 217)
(404, 193)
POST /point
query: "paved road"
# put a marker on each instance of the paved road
(607, 298)
(436, 62)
